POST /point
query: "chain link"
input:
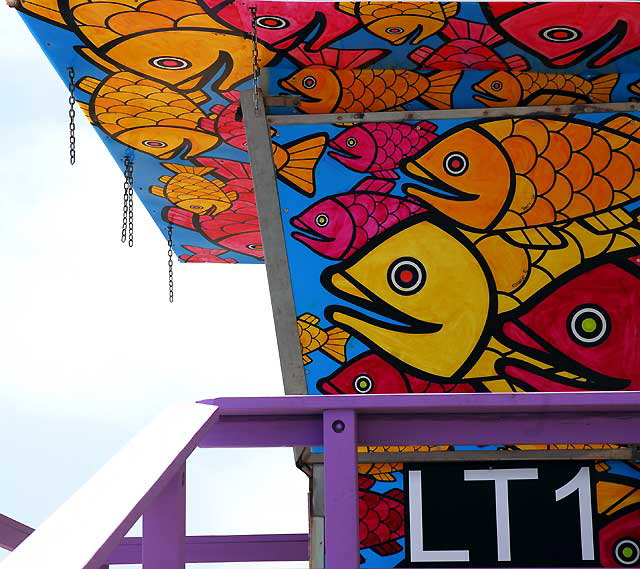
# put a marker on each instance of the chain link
(72, 116)
(254, 55)
(127, 202)
(170, 263)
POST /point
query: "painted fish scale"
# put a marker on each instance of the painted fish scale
(381, 518)
(311, 337)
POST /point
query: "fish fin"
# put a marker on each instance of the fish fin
(47, 10)
(232, 96)
(634, 87)
(602, 87)
(458, 28)
(421, 54)
(309, 318)
(232, 195)
(374, 185)
(395, 494)
(389, 174)
(335, 346)
(441, 85)
(450, 9)
(84, 107)
(607, 221)
(427, 126)
(299, 169)
(365, 482)
(384, 477)
(215, 110)
(516, 63)
(347, 8)
(227, 169)
(179, 217)
(336, 58)
(94, 58)
(541, 237)
(156, 191)
(164, 179)
(183, 169)
(388, 548)
(197, 96)
(208, 125)
(306, 359)
(625, 124)
(88, 84)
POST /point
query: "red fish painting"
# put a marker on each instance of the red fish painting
(468, 45)
(283, 25)
(378, 148)
(204, 255)
(337, 226)
(381, 518)
(562, 34)
(583, 322)
(369, 373)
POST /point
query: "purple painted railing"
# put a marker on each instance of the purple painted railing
(337, 423)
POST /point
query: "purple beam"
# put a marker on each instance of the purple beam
(342, 543)
(225, 548)
(12, 533)
(164, 527)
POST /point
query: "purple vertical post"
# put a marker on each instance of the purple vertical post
(164, 527)
(341, 533)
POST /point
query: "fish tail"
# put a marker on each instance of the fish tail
(347, 8)
(232, 96)
(634, 87)
(457, 28)
(441, 85)
(336, 58)
(427, 126)
(182, 169)
(88, 84)
(335, 346)
(602, 87)
(624, 124)
(450, 9)
(303, 155)
(179, 217)
(48, 10)
(227, 169)
(420, 54)
(516, 63)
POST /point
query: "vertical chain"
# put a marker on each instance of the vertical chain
(72, 115)
(254, 55)
(127, 202)
(170, 263)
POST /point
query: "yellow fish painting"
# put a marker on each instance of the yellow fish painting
(383, 471)
(331, 342)
(519, 175)
(188, 189)
(147, 115)
(399, 22)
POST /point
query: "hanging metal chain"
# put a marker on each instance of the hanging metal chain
(170, 263)
(254, 55)
(127, 202)
(72, 115)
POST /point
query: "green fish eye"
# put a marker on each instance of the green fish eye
(589, 325)
(627, 552)
(322, 220)
(351, 142)
(363, 384)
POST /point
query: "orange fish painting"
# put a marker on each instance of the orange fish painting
(147, 115)
(331, 342)
(188, 189)
(505, 89)
(522, 176)
(399, 22)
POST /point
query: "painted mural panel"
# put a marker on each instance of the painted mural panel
(160, 81)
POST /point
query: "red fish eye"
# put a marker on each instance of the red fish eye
(363, 383)
(406, 276)
(322, 220)
(309, 82)
(455, 163)
(154, 143)
(171, 63)
(560, 34)
(255, 247)
(627, 551)
(271, 22)
(589, 325)
(496, 85)
(351, 142)
(394, 30)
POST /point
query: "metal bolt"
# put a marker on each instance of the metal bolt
(337, 426)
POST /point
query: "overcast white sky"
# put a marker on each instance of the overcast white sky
(90, 348)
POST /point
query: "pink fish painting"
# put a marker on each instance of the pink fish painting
(378, 148)
(337, 226)
(205, 255)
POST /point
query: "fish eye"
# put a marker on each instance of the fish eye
(271, 22)
(394, 30)
(406, 276)
(255, 247)
(560, 34)
(455, 163)
(496, 85)
(322, 220)
(589, 325)
(627, 552)
(351, 142)
(363, 383)
(309, 82)
(171, 63)
(154, 143)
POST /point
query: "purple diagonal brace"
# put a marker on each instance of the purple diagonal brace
(342, 542)
(164, 527)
